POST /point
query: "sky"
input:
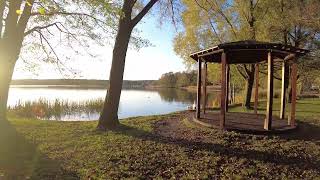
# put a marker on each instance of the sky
(148, 63)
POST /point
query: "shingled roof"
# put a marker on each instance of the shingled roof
(245, 52)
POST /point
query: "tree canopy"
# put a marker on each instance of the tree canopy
(38, 27)
(208, 23)
(178, 79)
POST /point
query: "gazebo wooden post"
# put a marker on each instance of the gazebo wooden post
(294, 93)
(256, 92)
(223, 90)
(198, 89)
(268, 120)
(227, 86)
(205, 88)
(283, 91)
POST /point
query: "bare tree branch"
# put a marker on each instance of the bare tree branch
(245, 76)
(143, 12)
(68, 14)
(254, 7)
(214, 30)
(58, 61)
(172, 11)
(37, 28)
(219, 11)
(246, 69)
(274, 76)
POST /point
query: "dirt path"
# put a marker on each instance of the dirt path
(175, 128)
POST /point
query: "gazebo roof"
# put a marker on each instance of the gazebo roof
(246, 52)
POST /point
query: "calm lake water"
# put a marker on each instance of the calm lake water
(132, 102)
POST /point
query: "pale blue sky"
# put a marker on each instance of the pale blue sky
(146, 64)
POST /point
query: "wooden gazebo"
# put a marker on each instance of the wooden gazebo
(248, 52)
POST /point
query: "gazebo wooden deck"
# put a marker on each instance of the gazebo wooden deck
(248, 52)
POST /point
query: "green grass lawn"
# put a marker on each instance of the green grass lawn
(35, 149)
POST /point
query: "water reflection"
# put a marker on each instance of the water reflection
(86, 104)
(173, 95)
(181, 95)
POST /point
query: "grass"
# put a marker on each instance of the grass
(145, 148)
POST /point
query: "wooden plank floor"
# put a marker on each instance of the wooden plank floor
(243, 121)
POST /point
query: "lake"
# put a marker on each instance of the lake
(132, 103)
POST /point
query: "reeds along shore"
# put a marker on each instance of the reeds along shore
(45, 109)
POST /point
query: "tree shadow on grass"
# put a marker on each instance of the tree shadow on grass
(304, 163)
(305, 131)
(20, 159)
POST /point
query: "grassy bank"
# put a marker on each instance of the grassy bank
(157, 146)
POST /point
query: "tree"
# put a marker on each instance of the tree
(183, 80)
(32, 24)
(212, 22)
(168, 80)
(296, 23)
(109, 116)
(207, 23)
(178, 79)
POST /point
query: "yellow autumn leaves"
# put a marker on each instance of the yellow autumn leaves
(41, 10)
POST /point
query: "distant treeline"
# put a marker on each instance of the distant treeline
(178, 79)
(84, 83)
(170, 79)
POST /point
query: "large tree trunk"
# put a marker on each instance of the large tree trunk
(251, 72)
(8, 58)
(109, 116)
(248, 90)
(296, 44)
(11, 38)
(287, 81)
(6, 71)
(248, 73)
(9, 55)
